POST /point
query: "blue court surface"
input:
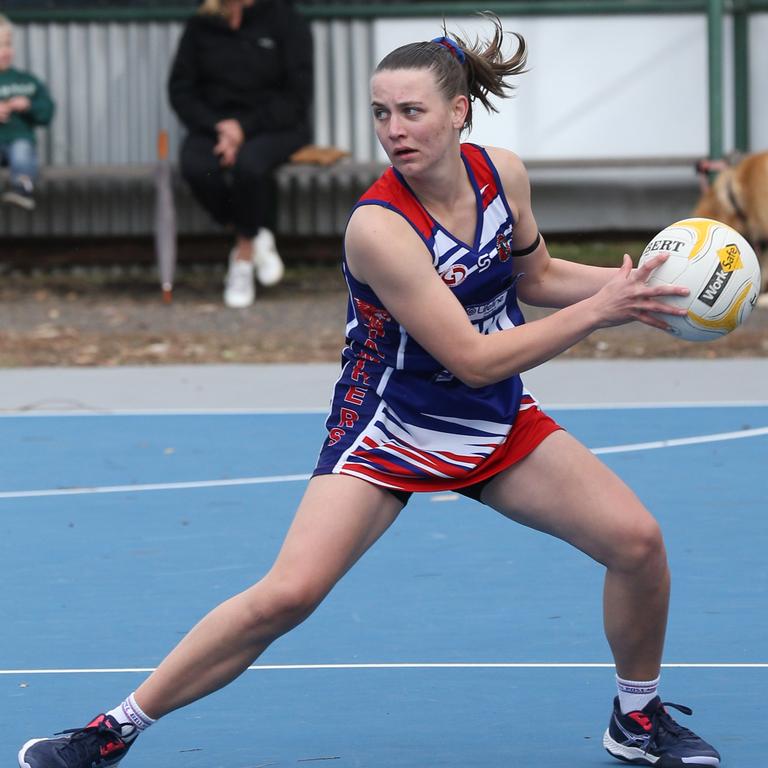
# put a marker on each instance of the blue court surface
(460, 640)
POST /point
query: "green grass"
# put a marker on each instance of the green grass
(596, 252)
(201, 278)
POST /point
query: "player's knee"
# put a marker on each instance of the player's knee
(641, 548)
(288, 602)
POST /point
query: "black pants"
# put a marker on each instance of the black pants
(243, 195)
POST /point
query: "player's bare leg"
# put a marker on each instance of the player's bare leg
(338, 519)
(563, 489)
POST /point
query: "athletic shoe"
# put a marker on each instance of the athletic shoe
(101, 744)
(239, 291)
(651, 737)
(266, 259)
(20, 193)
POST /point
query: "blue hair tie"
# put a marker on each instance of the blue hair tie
(452, 46)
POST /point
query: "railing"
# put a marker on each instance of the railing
(149, 10)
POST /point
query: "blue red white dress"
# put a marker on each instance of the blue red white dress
(398, 418)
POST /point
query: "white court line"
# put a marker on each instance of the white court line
(404, 665)
(102, 412)
(629, 448)
(676, 442)
(153, 487)
(95, 412)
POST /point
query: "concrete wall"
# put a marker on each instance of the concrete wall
(596, 86)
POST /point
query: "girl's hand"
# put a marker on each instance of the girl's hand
(19, 104)
(627, 296)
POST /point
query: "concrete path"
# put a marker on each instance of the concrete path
(285, 387)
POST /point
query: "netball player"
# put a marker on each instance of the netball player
(430, 398)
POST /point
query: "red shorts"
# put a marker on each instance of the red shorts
(531, 426)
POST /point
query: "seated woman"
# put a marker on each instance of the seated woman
(241, 82)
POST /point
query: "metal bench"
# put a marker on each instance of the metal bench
(314, 201)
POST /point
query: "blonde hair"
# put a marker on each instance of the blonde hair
(5, 22)
(212, 8)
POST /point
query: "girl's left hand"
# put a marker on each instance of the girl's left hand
(19, 104)
(627, 296)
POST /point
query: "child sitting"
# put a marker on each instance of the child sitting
(24, 105)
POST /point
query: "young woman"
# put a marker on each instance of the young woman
(430, 398)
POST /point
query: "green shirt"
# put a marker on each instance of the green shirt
(21, 125)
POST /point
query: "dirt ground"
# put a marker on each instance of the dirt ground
(110, 316)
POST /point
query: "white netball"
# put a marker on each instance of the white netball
(719, 268)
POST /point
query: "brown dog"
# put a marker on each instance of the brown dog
(739, 197)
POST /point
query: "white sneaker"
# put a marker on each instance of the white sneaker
(266, 259)
(239, 291)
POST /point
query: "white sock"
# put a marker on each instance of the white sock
(130, 713)
(635, 694)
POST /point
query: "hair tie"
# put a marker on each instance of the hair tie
(452, 46)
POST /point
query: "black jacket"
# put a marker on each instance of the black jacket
(260, 74)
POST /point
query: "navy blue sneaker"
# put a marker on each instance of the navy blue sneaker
(21, 193)
(651, 737)
(101, 744)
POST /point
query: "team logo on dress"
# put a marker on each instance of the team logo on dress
(374, 317)
(502, 247)
(454, 275)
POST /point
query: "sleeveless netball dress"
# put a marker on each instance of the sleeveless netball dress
(398, 418)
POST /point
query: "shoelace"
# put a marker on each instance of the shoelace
(661, 721)
(86, 750)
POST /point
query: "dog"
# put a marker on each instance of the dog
(739, 198)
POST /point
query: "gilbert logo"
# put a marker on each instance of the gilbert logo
(454, 275)
(664, 246)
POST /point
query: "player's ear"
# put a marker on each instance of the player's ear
(460, 108)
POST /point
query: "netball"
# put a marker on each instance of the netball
(717, 265)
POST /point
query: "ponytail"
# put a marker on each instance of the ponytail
(477, 70)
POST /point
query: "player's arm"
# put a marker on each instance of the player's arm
(545, 282)
(384, 252)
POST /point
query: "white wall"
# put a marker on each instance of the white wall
(604, 86)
